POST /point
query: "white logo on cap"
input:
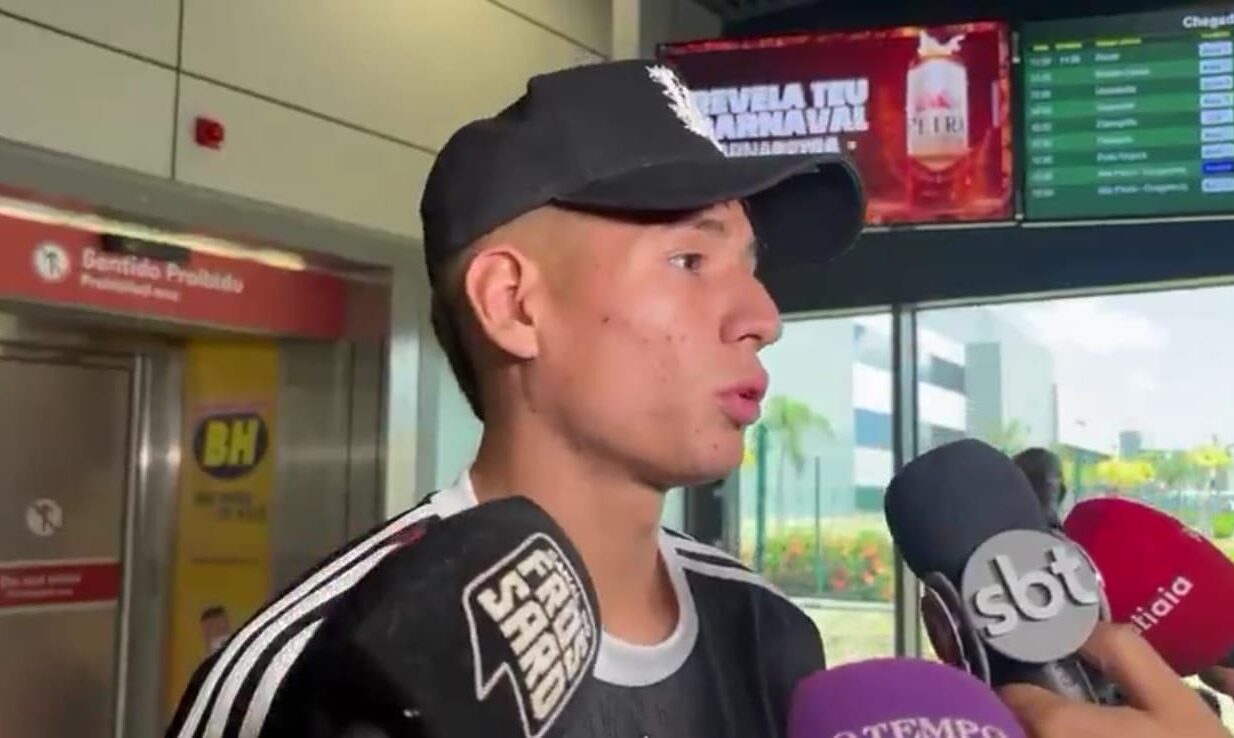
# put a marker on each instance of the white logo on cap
(682, 104)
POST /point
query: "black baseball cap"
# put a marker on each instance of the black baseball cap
(626, 137)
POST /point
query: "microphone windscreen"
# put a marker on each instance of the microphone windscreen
(946, 502)
(897, 697)
(1164, 579)
(486, 625)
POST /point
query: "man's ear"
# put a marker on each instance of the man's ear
(496, 283)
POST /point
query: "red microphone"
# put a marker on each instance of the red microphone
(1167, 581)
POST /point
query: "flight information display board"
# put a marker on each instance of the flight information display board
(1129, 115)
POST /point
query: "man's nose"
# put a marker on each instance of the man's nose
(754, 318)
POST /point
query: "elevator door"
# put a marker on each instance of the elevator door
(64, 449)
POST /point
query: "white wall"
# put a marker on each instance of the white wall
(63, 94)
(332, 108)
(146, 28)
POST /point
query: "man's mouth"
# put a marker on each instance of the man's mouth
(742, 403)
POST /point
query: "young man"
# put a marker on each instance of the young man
(600, 308)
(592, 256)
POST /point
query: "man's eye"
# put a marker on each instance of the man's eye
(689, 262)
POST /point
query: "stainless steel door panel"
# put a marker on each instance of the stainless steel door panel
(64, 437)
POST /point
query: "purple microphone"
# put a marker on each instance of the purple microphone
(897, 698)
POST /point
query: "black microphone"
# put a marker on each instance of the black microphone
(1017, 599)
(486, 625)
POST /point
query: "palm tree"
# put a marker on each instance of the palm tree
(789, 421)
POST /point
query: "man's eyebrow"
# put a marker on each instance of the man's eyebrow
(712, 225)
(720, 228)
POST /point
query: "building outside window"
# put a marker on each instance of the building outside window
(1129, 390)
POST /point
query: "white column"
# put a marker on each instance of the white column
(627, 28)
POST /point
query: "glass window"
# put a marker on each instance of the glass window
(942, 373)
(872, 347)
(872, 429)
(812, 483)
(1131, 392)
(674, 513)
(458, 430)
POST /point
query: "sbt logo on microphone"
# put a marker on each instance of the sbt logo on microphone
(1032, 595)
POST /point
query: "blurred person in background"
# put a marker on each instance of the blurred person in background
(1045, 473)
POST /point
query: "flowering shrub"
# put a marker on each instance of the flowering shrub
(853, 566)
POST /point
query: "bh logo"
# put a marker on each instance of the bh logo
(1033, 596)
(228, 446)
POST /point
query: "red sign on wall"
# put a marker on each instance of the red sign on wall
(923, 113)
(70, 582)
(68, 267)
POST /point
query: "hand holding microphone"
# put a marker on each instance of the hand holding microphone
(1159, 704)
(1018, 603)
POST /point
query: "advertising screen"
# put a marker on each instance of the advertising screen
(1129, 115)
(924, 113)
